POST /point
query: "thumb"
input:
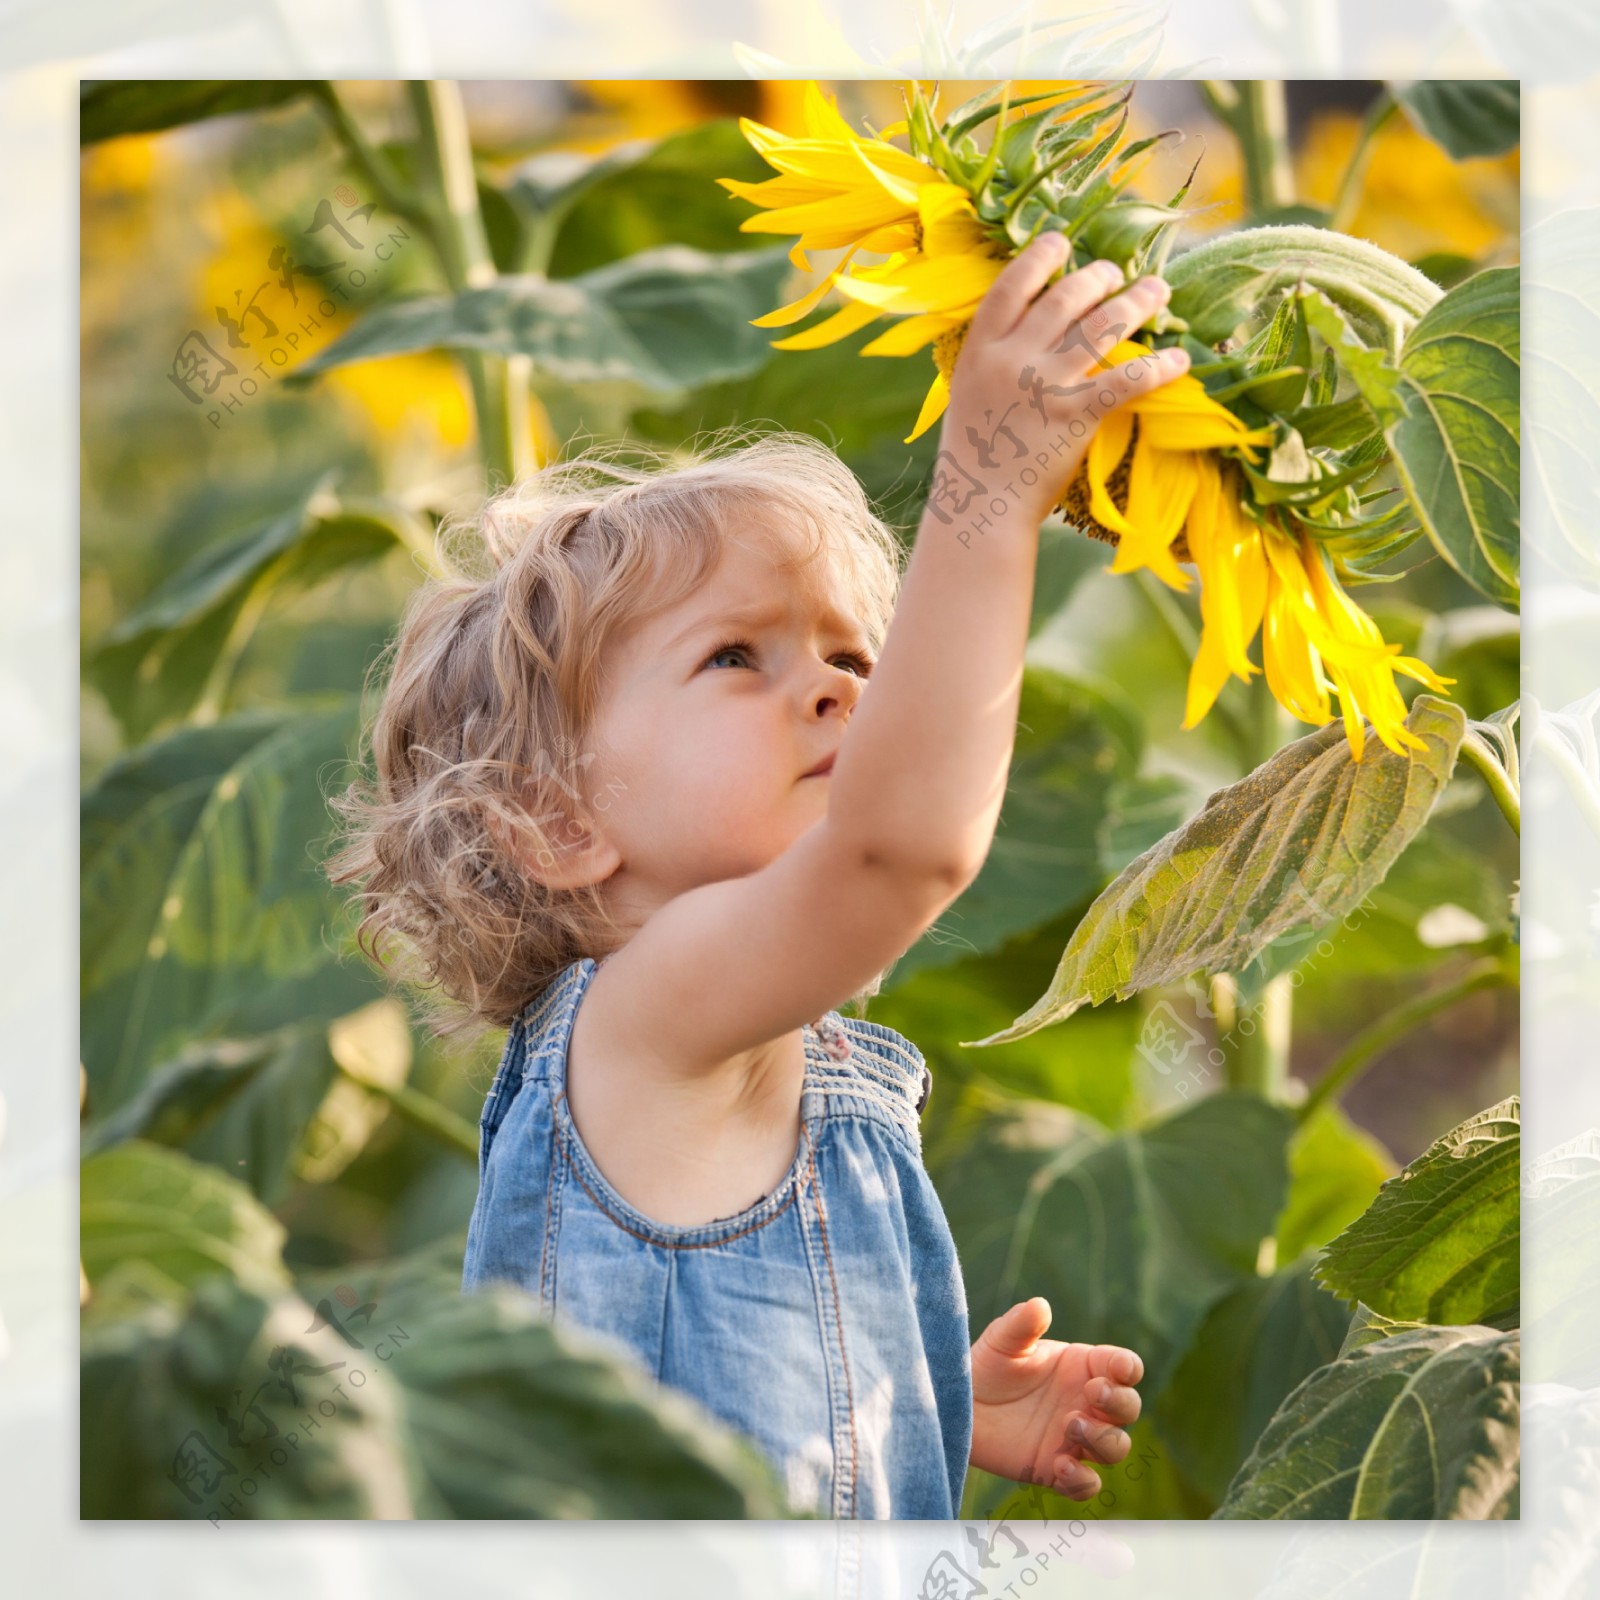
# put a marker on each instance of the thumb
(1017, 1331)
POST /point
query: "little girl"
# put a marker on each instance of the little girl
(637, 803)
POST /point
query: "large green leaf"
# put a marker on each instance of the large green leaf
(1131, 1237)
(1458, 447)
(1300, 840)
(204, 910)
(109, 107)
(156, 1211)
(1468, 116)
(241, 1104)
(1045, 857)
(671, 318)
(426, 1404)
(1254, 1346)
(155, 662)
(1442, 1241)
(1419, 1425)
(666, 194)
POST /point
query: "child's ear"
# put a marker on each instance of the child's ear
(558, 847)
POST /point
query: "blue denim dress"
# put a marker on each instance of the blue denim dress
(827, 1322)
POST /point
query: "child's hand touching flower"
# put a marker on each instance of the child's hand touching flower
(1041, 1409)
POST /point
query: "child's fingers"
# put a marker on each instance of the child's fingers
(1116, 1361)
(1075, 1480)
(1112, 1402)
(1117, 385)
(1011, 293)
(1065, 301)
(1084, 343)
(1101, 1441)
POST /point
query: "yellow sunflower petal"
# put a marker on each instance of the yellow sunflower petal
(796, 309)
(1207, 674)
(910, 335)
(1107, 445)
(933, 405)
(839, 326)
(1161, 486)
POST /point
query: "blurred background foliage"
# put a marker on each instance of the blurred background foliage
(244, 564)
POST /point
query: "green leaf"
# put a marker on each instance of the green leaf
(1421, 1425)
(1254, 1346)
(1131, 1237)
(1300, 840)
(671, 318)
(1045, 857)
(1442, 1241)
(183, 1219)
(154, 664)
(1458, 447)
(1368, 1326)
(203, 908)
(428, 1404)
(1335, 1170)
(109, 107)
(1367, 366)
(1468, 116)
(242, 1105)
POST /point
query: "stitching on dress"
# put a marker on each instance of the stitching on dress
(900, 1108)
(668, 1244)
(838, 1316)
(549, 1189)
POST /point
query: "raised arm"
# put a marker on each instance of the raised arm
(920, 775)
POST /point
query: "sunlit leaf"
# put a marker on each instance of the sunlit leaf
(1298, 842)
(1442, 1240)
(1417, 1426)
(669, 318)
(1131, 1237)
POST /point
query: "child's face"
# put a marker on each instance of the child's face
(702, 750)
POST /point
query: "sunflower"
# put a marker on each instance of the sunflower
(835, 190)
(1161, 479)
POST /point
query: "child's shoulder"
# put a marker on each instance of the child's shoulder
(888, 1051)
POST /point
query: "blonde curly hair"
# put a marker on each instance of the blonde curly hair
(496, 683)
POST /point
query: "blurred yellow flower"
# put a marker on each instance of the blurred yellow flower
(651, 108)
(399, 395)
(1414, 198)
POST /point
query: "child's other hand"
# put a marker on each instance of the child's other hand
(1041, 1409)
(1033, 364)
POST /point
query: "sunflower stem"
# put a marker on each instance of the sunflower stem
(1477, 752)
(1372, 1041)
(1348, 197)
(1256, 1044)
(500, 384)
(1260, 121)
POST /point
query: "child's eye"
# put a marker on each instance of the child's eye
(731, 647)
(862, 664)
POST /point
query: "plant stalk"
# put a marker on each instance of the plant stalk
(1260, 121)
(1478, 753)
(1348, 198)
(1257, 1040)
(1371, 1042)
(500, 384)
